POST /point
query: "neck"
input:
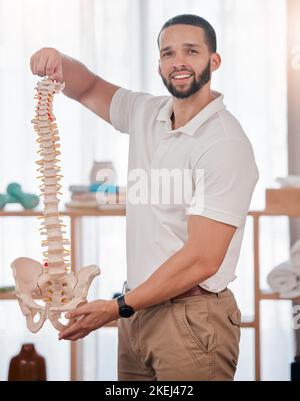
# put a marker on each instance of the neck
(186, 109)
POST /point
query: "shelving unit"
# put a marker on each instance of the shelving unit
(260, 295)
(76, 216)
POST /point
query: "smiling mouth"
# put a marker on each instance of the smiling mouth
(182, 77)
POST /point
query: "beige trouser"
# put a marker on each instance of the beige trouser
(193, 338)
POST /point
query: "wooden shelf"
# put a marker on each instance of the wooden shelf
(248, 325)
(274, 296)
(22, 213)
(259, 213)
(122, 212)
(260, 294)
(70, 213)
(95, 213)
(7, 296)
(75, 216)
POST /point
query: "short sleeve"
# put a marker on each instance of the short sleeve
(224, 180)
(123, 108)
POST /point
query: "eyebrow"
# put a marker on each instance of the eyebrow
(165, 49)
(190, 45)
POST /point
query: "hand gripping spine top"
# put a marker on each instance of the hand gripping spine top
(53, 281)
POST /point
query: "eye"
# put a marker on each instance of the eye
(166, 54)
(192, 51)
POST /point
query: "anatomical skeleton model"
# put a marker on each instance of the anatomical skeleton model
(53, 282)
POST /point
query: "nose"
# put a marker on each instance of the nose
(179, 66)
(179, 62)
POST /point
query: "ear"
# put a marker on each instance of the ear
(159, 70)
(215, 61)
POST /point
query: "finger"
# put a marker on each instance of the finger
(82, 333)
(74, 329)
(77, 336)
(70, 322)
(77, 312)
(41, 67)
(50, 67)
(31, 64)
(57, 74)
(35, 60)
(74, 336)
(56, 77)
(66, 334)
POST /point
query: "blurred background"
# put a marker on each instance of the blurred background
(117, 40)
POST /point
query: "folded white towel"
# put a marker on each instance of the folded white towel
(285, 280)
(295, 256)
(291, 181)
(291, 294)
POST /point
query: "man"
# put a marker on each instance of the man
(178, 319)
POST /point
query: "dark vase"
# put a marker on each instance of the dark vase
(28, 365)
(295, 370)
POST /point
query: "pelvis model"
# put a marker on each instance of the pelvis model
(52, 282)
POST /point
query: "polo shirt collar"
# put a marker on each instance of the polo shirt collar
(191, 127)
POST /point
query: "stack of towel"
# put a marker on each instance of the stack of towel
(285, 278)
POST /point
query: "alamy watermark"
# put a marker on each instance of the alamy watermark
(296, 317)
(157, 187)
(295, 60)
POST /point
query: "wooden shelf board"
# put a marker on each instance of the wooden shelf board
(21, 213)
(122, 212)
(268, 295)
(286, 213)
(248, 325)
(7, 295)
(95, 213)
(70, 213)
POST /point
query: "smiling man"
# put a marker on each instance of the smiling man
(189, 81)
(177, 319)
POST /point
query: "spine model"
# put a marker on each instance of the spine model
(54, 281)
(48, 140)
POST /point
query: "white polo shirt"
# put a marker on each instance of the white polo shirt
(212, 142)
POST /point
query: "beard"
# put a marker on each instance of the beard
(195, 86)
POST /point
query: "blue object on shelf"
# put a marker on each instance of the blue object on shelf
(15, 194)
(108, 188)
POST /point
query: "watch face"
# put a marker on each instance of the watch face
(126, 311)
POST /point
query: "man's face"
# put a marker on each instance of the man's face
(185, 60)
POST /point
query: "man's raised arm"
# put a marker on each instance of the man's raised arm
(81, 84)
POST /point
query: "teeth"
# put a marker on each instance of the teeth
(181, 76)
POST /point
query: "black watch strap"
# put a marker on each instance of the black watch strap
(124, 309)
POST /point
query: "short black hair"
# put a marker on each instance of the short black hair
(191, 19)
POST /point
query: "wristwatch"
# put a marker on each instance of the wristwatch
(124, 309)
